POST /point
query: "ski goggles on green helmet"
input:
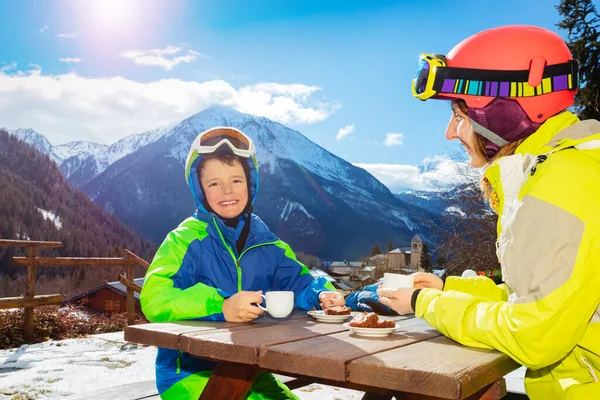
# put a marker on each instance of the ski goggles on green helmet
(239, 144)
(434, 78)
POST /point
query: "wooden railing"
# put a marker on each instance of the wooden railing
(32, 262)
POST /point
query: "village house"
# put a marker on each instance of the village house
(341, 282)
(345, 267)
(108, 298)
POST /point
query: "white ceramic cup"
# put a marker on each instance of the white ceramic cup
(393, 281)
(279, 304)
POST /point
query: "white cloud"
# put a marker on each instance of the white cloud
(8, 67)
(345, 131)
(44, 28)
(393, 139)
(72, 107)
(164, 58)
(285, 103)
(432, 174)
(71, 60)
(70, 35)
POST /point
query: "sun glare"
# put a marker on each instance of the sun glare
(114, 12)
(119, 24)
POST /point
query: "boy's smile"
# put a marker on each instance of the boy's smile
(225, 188)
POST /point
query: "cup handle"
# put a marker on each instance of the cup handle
(263, 296)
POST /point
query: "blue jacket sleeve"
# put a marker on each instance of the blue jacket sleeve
(292, 275)
(368, 300)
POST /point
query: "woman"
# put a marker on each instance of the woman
(510, 88)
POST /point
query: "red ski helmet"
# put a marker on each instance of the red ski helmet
(494, 71)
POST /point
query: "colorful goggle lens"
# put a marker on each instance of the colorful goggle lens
(421, 75)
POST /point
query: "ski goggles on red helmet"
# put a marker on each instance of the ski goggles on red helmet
(433, 78)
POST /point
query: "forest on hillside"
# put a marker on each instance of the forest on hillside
(32, 192)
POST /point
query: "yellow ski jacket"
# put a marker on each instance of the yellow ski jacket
(547, 314)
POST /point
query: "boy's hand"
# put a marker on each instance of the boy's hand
(239, 308)
(427, 280)
(330, 298)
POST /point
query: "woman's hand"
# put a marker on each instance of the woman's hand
(330, 298)
(397, 299)
(239, 308)
(427, 280)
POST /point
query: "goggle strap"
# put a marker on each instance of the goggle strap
(488, 134)
(497, 83)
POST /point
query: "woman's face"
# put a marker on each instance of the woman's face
(225, 187)
(460, 128)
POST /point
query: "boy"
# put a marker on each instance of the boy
(217, 263)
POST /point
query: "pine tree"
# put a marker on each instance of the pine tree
(390, 246)
(376, 250)
(582, 22)
(425, 258)
(116, 250)
(441, 261)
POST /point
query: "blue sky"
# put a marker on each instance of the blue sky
(99, 70)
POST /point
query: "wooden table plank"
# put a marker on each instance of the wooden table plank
(326, 357)
(242, 346)
(438, 367)
(167, 334)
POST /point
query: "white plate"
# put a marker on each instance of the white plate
(372, 332)
(320, 315)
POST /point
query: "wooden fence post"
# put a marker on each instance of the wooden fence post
(130, 297)
(29, 294)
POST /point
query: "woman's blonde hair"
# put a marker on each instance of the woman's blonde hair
(507, 150)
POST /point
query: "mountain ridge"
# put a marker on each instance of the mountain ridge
(324, 197)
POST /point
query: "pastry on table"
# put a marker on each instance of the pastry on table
(370, 320)
(337, 310)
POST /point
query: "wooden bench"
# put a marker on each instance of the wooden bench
(146, 390)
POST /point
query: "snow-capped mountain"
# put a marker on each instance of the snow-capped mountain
(37, 141)
(434, 201)
(314, 200)
(463, 199)
(81, 161)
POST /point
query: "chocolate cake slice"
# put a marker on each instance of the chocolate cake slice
(370, 320)
(338, 310)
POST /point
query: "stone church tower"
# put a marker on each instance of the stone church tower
(405, 257)
(416, 245)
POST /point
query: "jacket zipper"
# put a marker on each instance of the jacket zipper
(539, 159)
(239, 275)
(178, 361)
(236, 260)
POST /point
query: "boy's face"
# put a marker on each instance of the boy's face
(225, 187)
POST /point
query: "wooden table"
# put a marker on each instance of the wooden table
(415, 362)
